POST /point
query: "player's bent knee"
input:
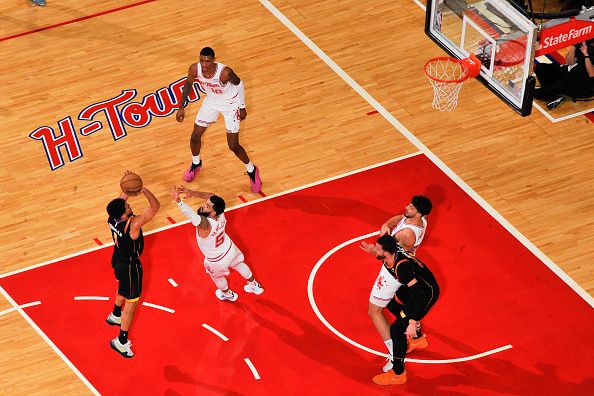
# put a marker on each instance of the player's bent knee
(374, 310)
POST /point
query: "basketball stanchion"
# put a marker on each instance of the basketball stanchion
(446, 75)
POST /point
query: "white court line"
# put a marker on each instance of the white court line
(464, 359)
(432, 157)
(315, 308)
(215, 331)
(19, 306)
(162, 308)
(184, 222)
(424, 150)
(50, 342)
(173, 283)
(56, 260)
(81, 298)
(421, 5)
(252, 367)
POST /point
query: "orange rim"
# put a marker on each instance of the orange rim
(447, 58)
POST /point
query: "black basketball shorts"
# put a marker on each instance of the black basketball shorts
(129, 274)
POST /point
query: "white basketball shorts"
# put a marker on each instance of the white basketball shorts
(384, 288)
(209, 112)
(221, 267)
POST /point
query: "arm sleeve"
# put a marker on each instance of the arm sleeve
(189, 213)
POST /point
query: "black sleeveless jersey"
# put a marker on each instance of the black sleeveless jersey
(407, 267)
(124, 246)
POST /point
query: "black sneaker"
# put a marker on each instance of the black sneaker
(554, 103)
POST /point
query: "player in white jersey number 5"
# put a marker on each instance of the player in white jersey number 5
(220, 253)
(224, 94)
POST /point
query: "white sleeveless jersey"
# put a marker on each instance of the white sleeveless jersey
(419, 231)
(217, 244)
(217, 92)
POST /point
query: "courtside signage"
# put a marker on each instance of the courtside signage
(563, 35)
(118, 112)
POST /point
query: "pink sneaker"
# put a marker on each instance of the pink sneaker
(256, 184)
(190, 174)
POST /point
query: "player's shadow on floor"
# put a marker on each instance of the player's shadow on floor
(332, 206)
(318, 346)
(173, 374)
(499, 375)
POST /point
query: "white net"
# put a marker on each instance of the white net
(446, 76)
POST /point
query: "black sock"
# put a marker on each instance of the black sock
(252, 174)
(398, 365)
(123, 337)
(117, 311)
(194, 166)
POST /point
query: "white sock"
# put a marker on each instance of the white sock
(389, 345)
(196, 159)
(250, 167)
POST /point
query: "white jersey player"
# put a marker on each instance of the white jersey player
(224, 98)
(225, 95)
(220, 253)
(409, 230)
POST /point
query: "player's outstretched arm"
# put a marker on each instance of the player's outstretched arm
(146, 215)
(197, 220)
(389, 225)
(192, 193)
(370, 249)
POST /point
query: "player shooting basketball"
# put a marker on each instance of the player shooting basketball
(126, 231)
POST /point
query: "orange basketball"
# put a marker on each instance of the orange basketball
(131, 184)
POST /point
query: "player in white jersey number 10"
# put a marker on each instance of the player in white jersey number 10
(224, 94)
(220, 253)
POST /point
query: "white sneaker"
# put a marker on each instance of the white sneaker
(113, 320)
(253, 287)
(388, 366)
(229, 296)
(125, 350)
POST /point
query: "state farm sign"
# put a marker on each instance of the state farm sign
(563, 35)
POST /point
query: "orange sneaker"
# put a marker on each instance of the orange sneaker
(390, 378)
(417, 343)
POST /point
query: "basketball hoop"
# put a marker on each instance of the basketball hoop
(447, 75)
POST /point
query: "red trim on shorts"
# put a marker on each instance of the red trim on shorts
(219, 258)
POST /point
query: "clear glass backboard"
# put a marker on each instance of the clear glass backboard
(501, 37)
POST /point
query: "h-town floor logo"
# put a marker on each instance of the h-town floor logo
(118, 112)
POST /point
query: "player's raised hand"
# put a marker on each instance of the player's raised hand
(184, 190)
(173, 191)
(367, 247)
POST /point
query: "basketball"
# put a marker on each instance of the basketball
(131, 184)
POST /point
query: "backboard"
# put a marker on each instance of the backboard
(500, 36)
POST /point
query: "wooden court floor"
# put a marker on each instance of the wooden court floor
(304, 124)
